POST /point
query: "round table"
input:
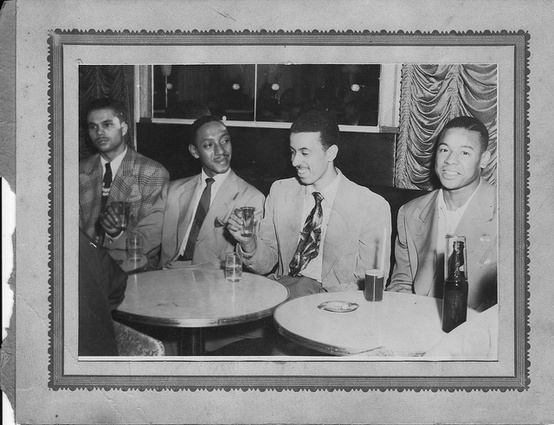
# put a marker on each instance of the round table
(403, 324)
(128, 266)
(194, 298)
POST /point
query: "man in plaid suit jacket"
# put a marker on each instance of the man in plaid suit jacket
(136, 179)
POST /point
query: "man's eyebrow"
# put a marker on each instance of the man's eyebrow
(462, 146)
(101, 122)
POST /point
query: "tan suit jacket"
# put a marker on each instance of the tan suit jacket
(166, 223)
(354, 233)
(418, 269)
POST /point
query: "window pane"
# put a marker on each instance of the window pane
(191, 91)
(351, 92)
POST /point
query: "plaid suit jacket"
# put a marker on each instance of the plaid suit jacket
(138, 180)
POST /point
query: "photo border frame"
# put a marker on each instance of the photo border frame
(58, 39)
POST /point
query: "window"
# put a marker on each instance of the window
(267, 93)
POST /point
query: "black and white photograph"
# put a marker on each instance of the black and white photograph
(257, 212)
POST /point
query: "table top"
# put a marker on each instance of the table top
(406, 324)
(120, 256)
(198, 297)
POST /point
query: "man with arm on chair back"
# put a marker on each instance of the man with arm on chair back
(465, 205)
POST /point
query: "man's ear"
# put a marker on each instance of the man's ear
(124, 128)
(332, 152)
(485, 158)
(193, 151)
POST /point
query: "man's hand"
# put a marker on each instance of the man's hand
(109, 219)
(234, 225)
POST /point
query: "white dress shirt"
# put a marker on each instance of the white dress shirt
(218, 181)
(448, 220)
(114, 163)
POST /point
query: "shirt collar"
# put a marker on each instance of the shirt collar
(330, 192)
(460, 210)
(114, 163)
(218, 177)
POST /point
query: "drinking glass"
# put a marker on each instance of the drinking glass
(134, 244)
(247, 221)
(374, 285)
(124, 209)
(233, 267)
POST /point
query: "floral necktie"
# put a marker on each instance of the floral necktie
(308, 246)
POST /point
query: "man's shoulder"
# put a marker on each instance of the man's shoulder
(360, 193)
(239, 181)
(86, 163)
(488, 191)
(421, 201)
(141, 160)
(284, 185)
(184, 182)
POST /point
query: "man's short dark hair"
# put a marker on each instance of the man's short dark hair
(199, 123)
(315, 121)
(118, 108)
(470, 124)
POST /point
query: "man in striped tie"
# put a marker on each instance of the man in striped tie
(321, 230)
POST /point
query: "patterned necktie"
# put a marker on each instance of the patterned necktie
(308, 246)
(106, 184)
(201, 212)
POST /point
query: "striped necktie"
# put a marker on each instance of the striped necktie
(106, 184)
(308, 246)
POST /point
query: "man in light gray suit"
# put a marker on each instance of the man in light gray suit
(187, 221)
(321, 230)
(465, 205)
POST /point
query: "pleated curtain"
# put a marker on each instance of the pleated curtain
(99, 81)
(431, 95)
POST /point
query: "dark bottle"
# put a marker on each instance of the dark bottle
(454, 305)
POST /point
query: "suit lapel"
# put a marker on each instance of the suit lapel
(221, 206)
(426, 242)
(477, 223)
(186, 207)
(337, 234)
(291, 220)
(124, 180)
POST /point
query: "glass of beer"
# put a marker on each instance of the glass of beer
(374, 285)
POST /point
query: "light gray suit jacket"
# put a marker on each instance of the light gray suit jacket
(352, 241)
(167, 221)
(417, 268)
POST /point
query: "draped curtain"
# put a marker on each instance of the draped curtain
(99, 81)
(431, 95)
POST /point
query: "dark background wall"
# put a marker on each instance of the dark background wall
(261, 155)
